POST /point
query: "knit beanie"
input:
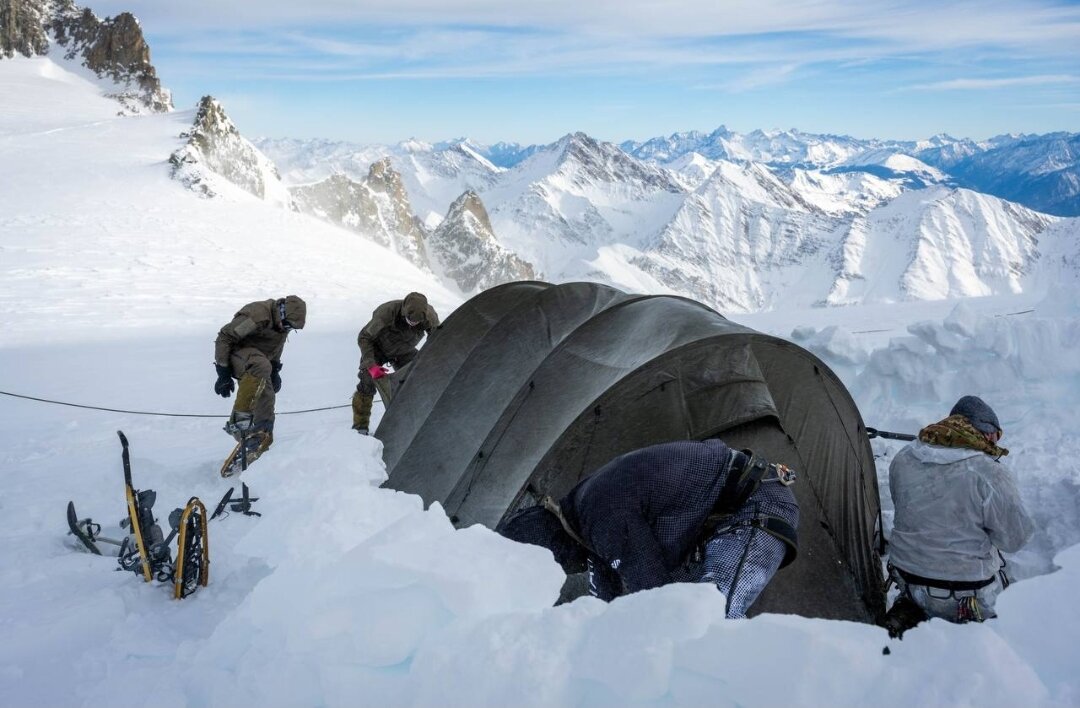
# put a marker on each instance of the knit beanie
(978, 414)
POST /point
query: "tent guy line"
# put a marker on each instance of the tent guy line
(156, 413)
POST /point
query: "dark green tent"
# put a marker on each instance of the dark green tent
(529, 387)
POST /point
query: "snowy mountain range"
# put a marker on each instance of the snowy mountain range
(1039, 171)
(742, 222)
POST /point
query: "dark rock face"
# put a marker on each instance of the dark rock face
(113, 48)
(22, 28)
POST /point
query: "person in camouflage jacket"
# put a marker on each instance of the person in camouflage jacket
(249, 349)
(390, 337)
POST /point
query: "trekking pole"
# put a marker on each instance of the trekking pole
(875, 433)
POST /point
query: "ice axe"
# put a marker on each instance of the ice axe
(875, 433)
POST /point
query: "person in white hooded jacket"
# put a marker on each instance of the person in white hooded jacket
(956, 507)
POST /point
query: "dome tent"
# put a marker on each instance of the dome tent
(529, 387)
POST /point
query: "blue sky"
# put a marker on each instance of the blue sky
(619, 69)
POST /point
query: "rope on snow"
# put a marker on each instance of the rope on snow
(155, 413)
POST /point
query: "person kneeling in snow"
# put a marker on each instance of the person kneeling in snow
(957, 507)
(249, 349)
(674, 512)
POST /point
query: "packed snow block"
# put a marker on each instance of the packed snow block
(938, 336)
(1038, 617)
(833, 343)
(963, 320)
(530, 387)
(649, 628)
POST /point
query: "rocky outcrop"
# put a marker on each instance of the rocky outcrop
(216, 150)
(377, 207)
(464, 249)
(22, 27)
(396, 213)
(114, 49)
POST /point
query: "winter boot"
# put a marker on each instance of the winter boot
(238, 424)
(242, 418)
(902, 616)
(361, 412)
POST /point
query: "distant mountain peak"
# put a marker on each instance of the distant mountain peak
(216, 148)
(585, 159)
(470, 203)
(377, 207)
(414, 145)
(464, 248)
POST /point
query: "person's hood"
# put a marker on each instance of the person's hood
(937, 455)
(295, 311)
(414, 307)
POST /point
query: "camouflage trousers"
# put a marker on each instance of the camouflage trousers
(255, 394)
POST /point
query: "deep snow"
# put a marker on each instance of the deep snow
(114, 281)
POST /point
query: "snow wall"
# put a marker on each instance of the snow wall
(529, 387)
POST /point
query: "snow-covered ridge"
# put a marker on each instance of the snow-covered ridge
(376, 207)
(464, 249)
(216, 151)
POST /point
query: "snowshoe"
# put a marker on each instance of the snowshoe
(83, 529)
(145, 551)
(249, 449)
(192, 550)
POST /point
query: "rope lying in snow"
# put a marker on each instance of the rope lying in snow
(166, 415)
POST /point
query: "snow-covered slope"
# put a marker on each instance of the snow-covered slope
(556, 208)
(840, 193)
(940, 243)
(747, 241)
(93, 225)
(891, 165)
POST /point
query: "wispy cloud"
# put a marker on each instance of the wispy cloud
(755, 79)
(917, 23)
(996, 83)
(767, 41)
(825, 59)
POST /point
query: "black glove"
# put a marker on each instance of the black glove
(275, 376)
(224, 385)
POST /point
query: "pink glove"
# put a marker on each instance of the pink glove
(377, 372)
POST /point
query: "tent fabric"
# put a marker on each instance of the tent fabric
(529, 387)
